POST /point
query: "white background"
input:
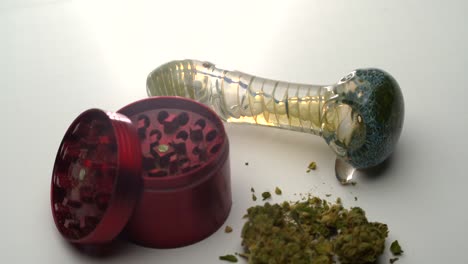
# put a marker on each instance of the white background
(59, 58)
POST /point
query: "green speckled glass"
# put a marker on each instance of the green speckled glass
(360, 116)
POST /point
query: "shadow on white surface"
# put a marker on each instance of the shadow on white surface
(376, 172)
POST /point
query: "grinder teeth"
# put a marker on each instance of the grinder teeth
(175, 141)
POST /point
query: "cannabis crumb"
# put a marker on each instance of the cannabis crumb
(355, 198)
(266, 195)
(228, 229)
(393, 260)
(278, 191)
(254, 197)
(328, 195)
(246, 164)
(353, 183)
(252, 189)
(395, 248)
(229, 258)
(312, 166)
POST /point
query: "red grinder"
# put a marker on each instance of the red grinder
(157, 169)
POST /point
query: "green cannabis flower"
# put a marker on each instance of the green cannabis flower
(312, 231)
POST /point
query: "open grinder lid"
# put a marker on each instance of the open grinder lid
(96, 177)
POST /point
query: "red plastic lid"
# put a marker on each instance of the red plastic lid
(96, 178)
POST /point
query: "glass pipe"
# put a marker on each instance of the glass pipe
(360, 117)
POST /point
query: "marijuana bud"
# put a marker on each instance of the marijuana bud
(311, 231)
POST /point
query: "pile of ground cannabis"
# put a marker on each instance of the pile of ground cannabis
(313, 231)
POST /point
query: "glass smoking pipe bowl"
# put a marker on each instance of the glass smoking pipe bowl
(360, 117)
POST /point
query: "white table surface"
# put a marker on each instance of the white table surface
(58, 58)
